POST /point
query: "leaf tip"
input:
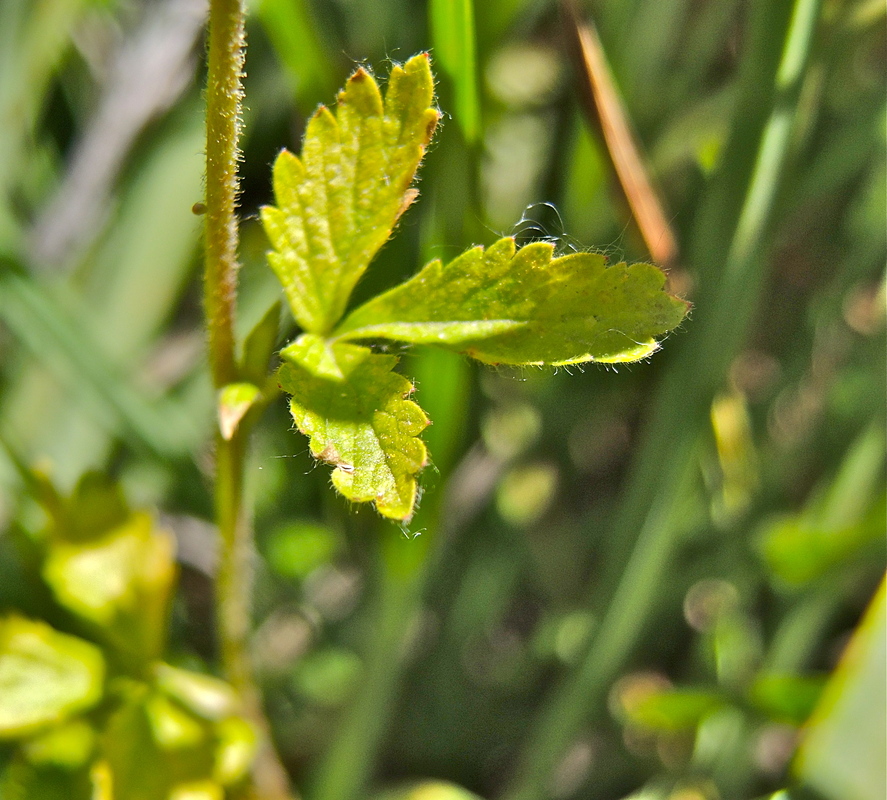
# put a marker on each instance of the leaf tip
(409, 197)
(431, 125)
(359, 76)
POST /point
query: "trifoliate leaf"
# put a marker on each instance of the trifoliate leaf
(503, 305)
(361, 423)
(337, 204)
(45, 676)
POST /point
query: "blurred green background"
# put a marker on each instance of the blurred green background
(626, 582)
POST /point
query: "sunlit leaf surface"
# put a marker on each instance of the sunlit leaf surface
(363, 423)
(338, 202)
(503, 305)
(45, 676)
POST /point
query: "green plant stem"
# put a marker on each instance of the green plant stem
(649, 517)
(224, 95)
(347, 765)
(234, 583)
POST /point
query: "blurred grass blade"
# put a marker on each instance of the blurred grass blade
(649, 520)
(34, 38)
(842, 755)
(455, 52)
(606, 112)
(347, 765)
(148, 71)
(297, 40)
(77, 361)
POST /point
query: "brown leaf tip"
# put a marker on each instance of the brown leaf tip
(432, 124)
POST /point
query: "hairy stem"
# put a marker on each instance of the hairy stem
(224, 95)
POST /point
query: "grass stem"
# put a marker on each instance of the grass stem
(648, 517)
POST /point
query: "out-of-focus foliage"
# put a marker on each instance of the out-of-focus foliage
(843, 748)
(84, 718)
(426, 660)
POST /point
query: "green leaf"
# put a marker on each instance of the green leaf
(674, 709)
(204, 695)
(172, 727)
(522, 306)
(337, 204)
(120, 582)
(235, 400)
(259, 345)
(197, 790)
(140, 769)
(157, 750)
(22, 780)
(45, 676)
(428, 790)
(96, 505)
(68, 745)
(361, 423)
(238, 741)
(786, 698)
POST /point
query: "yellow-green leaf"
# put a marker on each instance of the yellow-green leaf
(338, 203)
(504, 305)
(362, 423)
(197, 790)
(428, 790)
(235, 400)
(204, 695)
(172, 727)
(68, 745)
(45, 676)
(120, 582)
(236, 748)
